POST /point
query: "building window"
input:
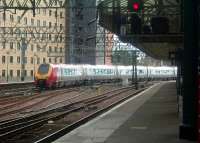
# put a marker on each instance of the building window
(38, 22)
(11, 73)
(49, 24)
(44, 23)
(44, 36)
(56, 38)
(38, 60)
(61, 14)
(49, 36)
(32, 59)
(38, 48)
(31, 72)
(11, 18)
(3, 59)
(11, 32)
(55, 60)
(38, 35)
(25, 72)
(4, 45)
(25, 34)
(25, 60)
(61, 38)
(61, 26)
(55, 49)
(18, 45)
(50, 49)
(11, 59)
(60, 49)
(60, 60)
(32, 21)
(56, 25)
(44, 49)
(18, 73)
(11, 45)
(44, 11)
(56, 3)
(56, 13)
(18, 19)
(3, 73)
(32, 47)
(44, 60)
(4, 16)
(25, 20)
(18, 59)
(38, 11)
(50, 12)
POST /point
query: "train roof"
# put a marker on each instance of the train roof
(111, 66)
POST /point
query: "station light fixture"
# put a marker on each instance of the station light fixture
(135, 5)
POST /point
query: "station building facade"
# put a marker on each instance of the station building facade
(35, 39)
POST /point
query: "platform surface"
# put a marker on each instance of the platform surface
(149, 117)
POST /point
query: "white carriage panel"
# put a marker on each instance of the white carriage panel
(151, 72)
(141, 72)
(129, 71)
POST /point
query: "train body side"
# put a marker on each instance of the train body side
(50, 75)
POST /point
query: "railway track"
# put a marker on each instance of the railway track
(15, 106)
(7, 88)
(51, 124)
(9, 102)
(18, 91)
(17, 96)
(33, 104)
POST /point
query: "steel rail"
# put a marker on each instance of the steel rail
(37, 122)
(68, 128)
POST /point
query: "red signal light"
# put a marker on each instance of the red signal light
(136, 6)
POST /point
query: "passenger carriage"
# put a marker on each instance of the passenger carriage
(58, 75)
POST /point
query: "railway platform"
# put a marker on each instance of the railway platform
(151, 116)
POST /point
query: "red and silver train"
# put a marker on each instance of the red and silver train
(58, 75)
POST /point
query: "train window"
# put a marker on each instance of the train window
(110, 71)
(103, 71)
(157, 71)
(69, 72)
(96, 71)
(140, 72)
(43, 69)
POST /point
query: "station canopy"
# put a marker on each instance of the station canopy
(115, 16)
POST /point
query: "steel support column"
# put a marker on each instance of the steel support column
(198, 39)
(188, 128)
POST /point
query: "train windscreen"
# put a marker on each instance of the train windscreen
(43, 69)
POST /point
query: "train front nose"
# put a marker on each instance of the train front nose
(41, 83)
(41, 76)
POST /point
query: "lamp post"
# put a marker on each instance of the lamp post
(7, 53)
(134, 67)
(34, 63)
(23, 48)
